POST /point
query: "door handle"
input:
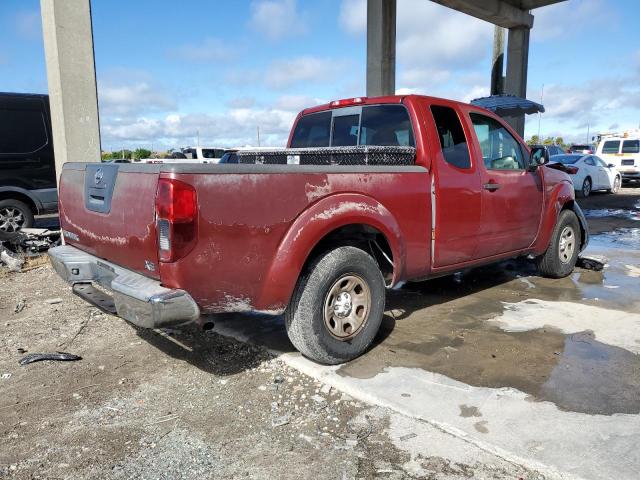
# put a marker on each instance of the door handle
(491, 186)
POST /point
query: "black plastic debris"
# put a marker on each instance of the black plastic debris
(58, 357)
(591, 262)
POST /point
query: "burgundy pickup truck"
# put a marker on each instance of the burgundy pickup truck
(371, 193)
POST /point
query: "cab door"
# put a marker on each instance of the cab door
(455, 195)
(512, 196)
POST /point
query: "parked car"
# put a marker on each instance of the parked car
(589, 173)
(585, 149)
(27, 167)
(231, 154)
(371, 193)
(552, 149)
(623, 151)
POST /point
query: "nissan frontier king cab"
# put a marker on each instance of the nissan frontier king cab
(370, 193)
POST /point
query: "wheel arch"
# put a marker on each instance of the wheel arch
(337, 220)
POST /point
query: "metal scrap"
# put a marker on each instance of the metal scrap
(39, 357)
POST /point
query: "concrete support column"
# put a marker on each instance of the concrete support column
(71, 74)
(497, 62)
(381, 47)
(517, 65)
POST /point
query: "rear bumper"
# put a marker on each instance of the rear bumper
(631, 175)
(138, 299)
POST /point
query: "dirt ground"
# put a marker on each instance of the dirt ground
(190, 404)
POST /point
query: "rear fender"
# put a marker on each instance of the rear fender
(311, 226)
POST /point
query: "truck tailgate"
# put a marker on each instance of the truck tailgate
(108, 210)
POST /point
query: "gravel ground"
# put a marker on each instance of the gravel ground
(181, 404)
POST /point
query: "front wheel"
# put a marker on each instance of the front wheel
(560, 258)
(337, 306)
(616, 185)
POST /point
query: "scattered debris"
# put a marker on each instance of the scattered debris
(591, 262)
(20, 306)
(166, 418)
(12, 260)
(53, 301)
(280, 421)
(408, 436)
(318, 399)
(6, 376)
(326, 389)
(39, 357)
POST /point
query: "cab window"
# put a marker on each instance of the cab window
(611, 146)
(500, 150)
(631, 146)
(386, 125)
(345, 131)
(22, 131)
(312, 131)
(452, 139)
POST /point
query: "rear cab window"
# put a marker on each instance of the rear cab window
(451, 135)
(380, 125)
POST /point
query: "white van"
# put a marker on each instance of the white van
(622, 151)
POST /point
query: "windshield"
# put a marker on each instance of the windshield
(565, 159)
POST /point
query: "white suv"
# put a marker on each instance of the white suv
(623, 151)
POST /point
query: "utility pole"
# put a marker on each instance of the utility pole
(197, 138)
(497, 63)
(123, 153)
(258, 128)
(540, 113)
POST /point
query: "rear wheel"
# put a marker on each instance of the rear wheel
(14, 215)
(585, 190)
(616, 185)
(560, 258)
(337, 306)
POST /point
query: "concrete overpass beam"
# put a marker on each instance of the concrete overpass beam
(381, 47)
(71, 75)
(517, 66)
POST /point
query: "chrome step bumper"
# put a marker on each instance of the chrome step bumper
(138, 299)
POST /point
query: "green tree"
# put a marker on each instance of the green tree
(535, 140)
(560, 141)
(548, 141)
(141, 153)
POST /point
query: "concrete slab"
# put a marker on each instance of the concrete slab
(537, 372)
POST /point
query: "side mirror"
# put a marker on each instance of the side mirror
(611, 165)
(539, 156)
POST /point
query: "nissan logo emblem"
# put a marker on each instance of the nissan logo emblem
(97, 178)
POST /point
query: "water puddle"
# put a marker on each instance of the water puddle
(624, 238)
(612, 212)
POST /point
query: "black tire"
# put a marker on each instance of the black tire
(555, 262)
(585, 190)
(305, 316)
(617, 183)
(14, 215)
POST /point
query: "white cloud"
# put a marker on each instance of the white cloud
(129, 99)
(233, 127)
(277, 19)
(284, 73)
(433, 42)
(210, 49)
(353, 16)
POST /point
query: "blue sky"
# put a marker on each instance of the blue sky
(169, 70)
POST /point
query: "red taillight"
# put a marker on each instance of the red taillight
(572, 170)
(176, 219)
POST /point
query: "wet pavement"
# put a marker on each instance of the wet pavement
(546, 371)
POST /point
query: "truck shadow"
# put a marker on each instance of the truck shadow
(241, 341)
